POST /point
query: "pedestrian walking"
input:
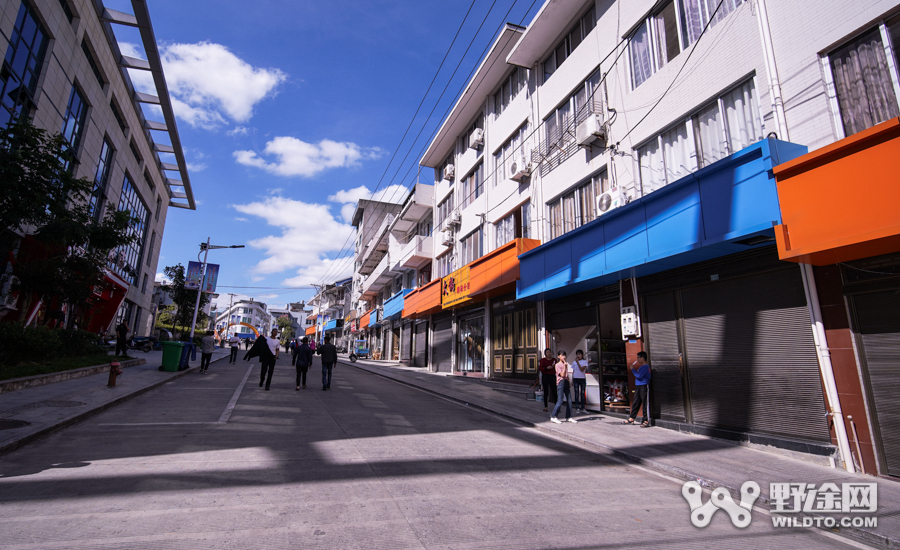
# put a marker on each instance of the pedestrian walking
(235, 343)
(329, 358)
(122, 337)
(267, 351)
(246, 343)
(562, 390)
(579, 381)
(303, 357)
(641, 389)
(207, 345)
(547, 368)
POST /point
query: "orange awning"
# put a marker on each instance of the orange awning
(364, 320)
(311, 330)
(838, 203)
(423, 301)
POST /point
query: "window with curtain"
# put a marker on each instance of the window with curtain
(471, 187)
(695, 14)
(576, 207)
(555, 217)
(730, 124)
(572, 40)
(513, 148)
(640, 55)
(677, 153)
(653, 171)
(863, 82)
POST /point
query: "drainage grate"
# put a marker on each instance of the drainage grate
(13, 424)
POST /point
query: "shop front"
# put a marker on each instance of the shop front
(515, 350)
(393, 325)
(423, 305)
(420, 344)
(725, 323)
(850, 242)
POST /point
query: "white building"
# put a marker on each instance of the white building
(242, 318)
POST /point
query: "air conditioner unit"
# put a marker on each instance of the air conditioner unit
(476, 138)
(455, 218)
(519, 169)
(447, 239)
(449, 172)
(591, 132)
(445, 225)
(609, 200)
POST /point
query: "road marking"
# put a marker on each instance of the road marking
(226, 414)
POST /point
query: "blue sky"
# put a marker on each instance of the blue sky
(289, 112)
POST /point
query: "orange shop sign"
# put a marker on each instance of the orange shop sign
(455, 288)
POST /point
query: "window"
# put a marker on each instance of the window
(67, 10)
(22, 65)
(863, 80)
(117, 114)
(127, 258)
(424, 227)
(471, 187)
(135, 152)
(444, 264)
(471, 247)
(576, 207)
(728, 125)
(514, 226)
(150, 248)
(73, 125)
(92, 63)
(144, 285)
(444, 208)
(439, 171)
(465, 140)
(559, 133)
(572, 40)
(101, 177)
(514, 83)
(158, 207)
(657, 40)
(513, 149)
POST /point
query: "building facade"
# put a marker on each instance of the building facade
(64, 72)
(246, 319)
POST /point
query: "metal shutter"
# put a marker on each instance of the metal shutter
(751, 357)
(442, 345)
(666, 388)
(421, 345)
(878, 318)
(406, 341)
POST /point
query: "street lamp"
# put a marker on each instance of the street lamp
(205, 248)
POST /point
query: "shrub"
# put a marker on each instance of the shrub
(19, 343)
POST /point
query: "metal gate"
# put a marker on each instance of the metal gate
(420, 345)
(442, 344)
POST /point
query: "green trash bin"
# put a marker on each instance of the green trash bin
(171, 355)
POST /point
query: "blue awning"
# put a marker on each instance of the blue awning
(393, 306)
(699, 217)
(333, 324)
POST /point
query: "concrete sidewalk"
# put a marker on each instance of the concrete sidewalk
(712, 462)
(31, 413)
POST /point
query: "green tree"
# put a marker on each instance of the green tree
(183, 299)
(287, 332)
(67, 246)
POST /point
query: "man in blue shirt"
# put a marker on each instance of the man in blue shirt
(641, 384)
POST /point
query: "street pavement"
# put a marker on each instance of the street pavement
(214, 461)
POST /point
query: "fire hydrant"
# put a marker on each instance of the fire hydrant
(114, 370)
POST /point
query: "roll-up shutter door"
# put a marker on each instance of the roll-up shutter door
(406, 341)
(879, 333)
(421, 345)
(442, 345)
(751, 357)
(666, 386)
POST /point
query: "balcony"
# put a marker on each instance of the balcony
(412, 254)
(377, 247)
(379, 277)
(414, 209)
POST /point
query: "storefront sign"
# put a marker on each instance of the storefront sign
(455, 288)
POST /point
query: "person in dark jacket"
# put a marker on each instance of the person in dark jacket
(303, 357)
(122, 337)
(267, 351)
(329, 358)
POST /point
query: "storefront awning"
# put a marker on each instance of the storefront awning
(824, 222)
(393, 306)
(310, 330)
(423, 301)
(727, 207)
(334, 324)
(366, 319)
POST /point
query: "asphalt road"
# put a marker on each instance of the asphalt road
(212, 461)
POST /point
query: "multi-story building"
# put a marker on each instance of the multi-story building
(63, 70)
(631, 176)
(246, 318)
(331, 307)
(296, 312)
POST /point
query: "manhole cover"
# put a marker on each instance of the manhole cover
(6, 424)
(61, 403)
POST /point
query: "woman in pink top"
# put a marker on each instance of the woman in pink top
(562, 390)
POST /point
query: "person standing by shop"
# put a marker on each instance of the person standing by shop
(579, 381)
(303, 357)
(562, 390)
(235, 343)
(122, 337)
(641, 390)
(329, 357)
(547, 369)
(207, 345)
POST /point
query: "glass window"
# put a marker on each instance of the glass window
(73, 125)
(126, 259)
(709, 133)
(150, 248)
(667, 43)
(567, 45)
(471, 246)
(640, 56)
(93, 64)
(556, 219)
(653, 173)
(695, 14)
(117, 115)
(717, 135)
(677, 153)
(101, 178)
(862, 80)
(526, 220)
(472, 187)
(158, 207)
(510, 88)
(22, 65)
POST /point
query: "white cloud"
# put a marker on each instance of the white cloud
(294, 157)
(335, 270)
(196, 166)
(347, 211)
(160, 278)
(241, 220)
(392, 193)
(238, 131)
(208, 84)
(308, 233)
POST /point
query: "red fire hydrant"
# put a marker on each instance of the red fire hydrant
(114, 370)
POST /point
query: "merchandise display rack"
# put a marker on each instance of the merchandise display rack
(614, 372)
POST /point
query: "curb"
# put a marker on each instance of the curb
(15, 384)
(672, 471)
(40, 434)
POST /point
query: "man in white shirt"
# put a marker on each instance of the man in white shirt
(579, 381)
(268, 362)
(235, 343)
